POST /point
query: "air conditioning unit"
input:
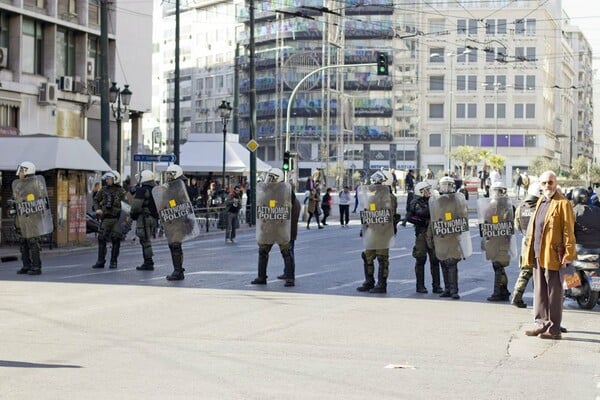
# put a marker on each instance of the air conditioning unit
(47, 93)
(3, 57)
(66, 83)
(90, 69)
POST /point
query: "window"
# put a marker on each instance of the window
(501, 26)
(460, 110)
(530, 26)
(501, 81)
(530, 82)
(65, 52)
(464, 110)
(472, 27)
(502, 140)
(436, 26)
(458, 140)
(436, 82)
(518, 110)
(516, 140)
(464, 55)
(3, 30)
(489, 110)
(472, 110)
(487, 140)
(530, 54)
(472, 79)
(9, 116)
(530, 110)
(530, 141)
(436, 110)
(489, 82)
(466, 82)
(472, 140)
(461, 83)
(520, 53)
(490, 26)
(32, 46)
(435, 140)
(519, 82)
(501, 110)
(519, 26)
(436, 55)
(461, 26)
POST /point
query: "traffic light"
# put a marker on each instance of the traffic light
(286, 161)
(382, 64)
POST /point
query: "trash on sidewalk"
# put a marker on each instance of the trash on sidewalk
(399, 366)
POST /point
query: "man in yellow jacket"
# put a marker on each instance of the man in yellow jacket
(549, 247)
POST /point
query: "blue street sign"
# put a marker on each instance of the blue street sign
(170, 158)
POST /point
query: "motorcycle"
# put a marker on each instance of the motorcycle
(587, 269)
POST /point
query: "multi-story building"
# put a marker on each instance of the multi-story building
(510, 77)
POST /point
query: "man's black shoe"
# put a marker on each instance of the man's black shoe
(113, 265)
(259, 281)
(282, 277)
(23, 271)
(445, 293)
(438, 290)
(97, 265)
(34, 271)
(422, 290)
(176, 276)
(145, 268)
(289, 283)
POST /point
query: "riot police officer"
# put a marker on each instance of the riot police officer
(176, 214)
(33, 218)
(522, 217)
(449, 231)
(143, 210)
(496, 218)
(587, 219)
(107, 204)
(419, 216)
(378, 217)
(273, 224)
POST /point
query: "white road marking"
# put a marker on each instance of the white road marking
(109, 271)
(472, 291)
(344, 285)
(401, 256)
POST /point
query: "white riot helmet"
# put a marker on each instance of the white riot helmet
(27, 167)
(535, 190)
(498, 189)
(421, 188)
(447, 185)
(381, 178)
(274, 175)
(111, 175)
(117, 176)
(146, 176)
(174, 171)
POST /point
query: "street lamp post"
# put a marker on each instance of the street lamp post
(451, 56)
(225, 113)
(122, 98)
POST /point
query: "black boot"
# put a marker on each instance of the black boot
(517, 300)
(101, 254)
(114, 253)
(501, 292)
(369, 282)
(453, 278)
(288, 268)
(177, 258)
(263, 261)
(148, 265)
(446, 292)
(381, 286)
(435, 276)
(420, 275)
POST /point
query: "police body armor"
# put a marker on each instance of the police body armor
(526, 212)
(376, 216)
(175, 211)
(450, 226)
(273, 213)
(33, 214)
(496, 229)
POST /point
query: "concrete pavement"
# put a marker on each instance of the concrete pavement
(65, 341)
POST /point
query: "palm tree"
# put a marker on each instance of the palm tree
(464, 155)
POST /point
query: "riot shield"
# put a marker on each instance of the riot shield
(34, 217)
(450, 226)
(273, 213)
(125, 225)
(496, 229)
(376, 216)
(175, 211)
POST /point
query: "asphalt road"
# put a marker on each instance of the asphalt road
(78, 332)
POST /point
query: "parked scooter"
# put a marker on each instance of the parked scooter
(587, 267)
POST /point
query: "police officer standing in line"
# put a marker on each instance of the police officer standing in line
(273, 224)
(293, 236)
(496, 217)
(378, 217)
(143, 210)
(107, 205)
(419, 216)
(522, 217)
(176, 214)
(449, 231)
(33, 218)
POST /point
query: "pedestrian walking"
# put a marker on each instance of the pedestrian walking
(144, 212)
(355, 198)
(419, 215)
(313, 207)
(551, 246)
(326, 204)
(31, 209)
(344, 205)
(233, 205)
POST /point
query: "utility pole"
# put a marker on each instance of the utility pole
(252, 117)
(176, 92)
(104, 106)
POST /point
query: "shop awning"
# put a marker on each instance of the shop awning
(50, 152)
(204, 153)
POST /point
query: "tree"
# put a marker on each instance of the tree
(464, 155)
(541, 164)
(594, 174)
(497, 161)
(484, 155)
(579, 168)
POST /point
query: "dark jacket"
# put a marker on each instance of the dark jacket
(418, 214)
(295, 216)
